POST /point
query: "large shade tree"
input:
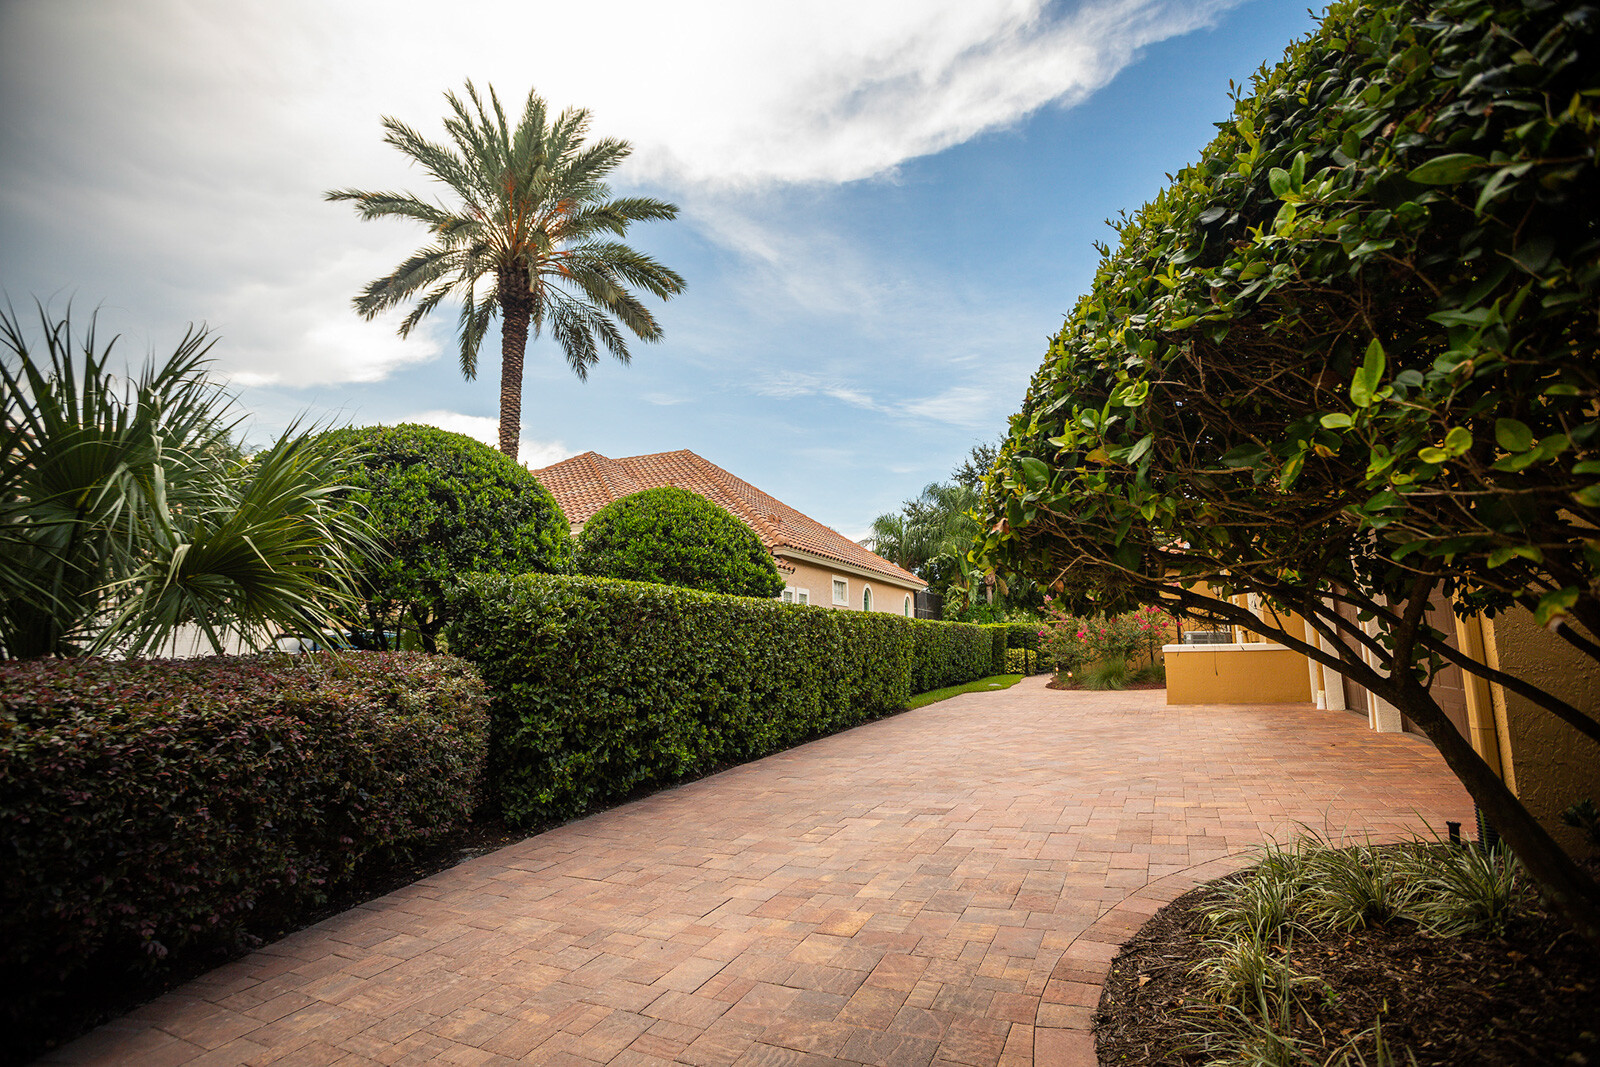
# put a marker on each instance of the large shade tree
(529, 236)
(1349, 362)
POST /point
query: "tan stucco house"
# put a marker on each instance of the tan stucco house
(819, 565)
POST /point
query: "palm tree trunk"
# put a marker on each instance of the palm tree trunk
(516, 308)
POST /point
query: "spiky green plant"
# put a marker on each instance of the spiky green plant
(1384, 1054)
(527, 240)
(1359, 885)
(1246, 966)
(126, 512)
(1264, 900)
(1468, 889)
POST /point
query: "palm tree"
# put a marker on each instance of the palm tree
(126, 511)
(532, 227)
(937, 523)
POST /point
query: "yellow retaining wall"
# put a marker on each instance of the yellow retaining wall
(1236, 674)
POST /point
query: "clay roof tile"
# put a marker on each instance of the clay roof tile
(588, 482)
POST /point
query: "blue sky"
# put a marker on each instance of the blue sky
(886, 208)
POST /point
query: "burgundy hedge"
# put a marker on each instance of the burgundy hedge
(148, 806)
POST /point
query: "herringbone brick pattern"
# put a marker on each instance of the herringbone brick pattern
(943, 887)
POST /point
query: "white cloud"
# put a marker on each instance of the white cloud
(534, 454)
(959, 405)
(171, 157)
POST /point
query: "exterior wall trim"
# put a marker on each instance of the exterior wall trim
(840, 567)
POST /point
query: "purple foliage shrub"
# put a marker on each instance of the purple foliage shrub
(153, 806)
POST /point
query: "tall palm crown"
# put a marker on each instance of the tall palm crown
(533, 231)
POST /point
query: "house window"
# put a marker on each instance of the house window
(788, 596)
(841, 592)
(866, 598)
(794, 595)
(908, 607)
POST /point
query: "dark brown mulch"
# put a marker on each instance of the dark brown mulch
(1056, 684)
(107, 992)
(1529, 997)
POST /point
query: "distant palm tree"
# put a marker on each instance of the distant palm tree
(937, 523)
(531, 223)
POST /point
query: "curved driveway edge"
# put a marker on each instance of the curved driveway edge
(946, 886)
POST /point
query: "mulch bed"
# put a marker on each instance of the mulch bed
(1530, 997)
(1053, 684)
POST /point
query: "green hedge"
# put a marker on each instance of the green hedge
(1023, 635)
(948, 653)
(148, 807)
(606, 687)
(1000, 636)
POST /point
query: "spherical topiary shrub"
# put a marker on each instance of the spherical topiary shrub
(444, 505)
(676, 537)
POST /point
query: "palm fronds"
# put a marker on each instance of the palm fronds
(126, 511)
(530, 204)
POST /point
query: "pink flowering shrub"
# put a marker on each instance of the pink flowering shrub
(1078, 642)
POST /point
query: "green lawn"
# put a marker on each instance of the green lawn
(982, 685)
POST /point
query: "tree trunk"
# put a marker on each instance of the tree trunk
(516, 309)
(1572, 891)
(1574, 894)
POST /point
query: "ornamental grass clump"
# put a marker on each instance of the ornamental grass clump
(1314, 892)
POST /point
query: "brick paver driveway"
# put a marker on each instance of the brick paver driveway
(946, 886)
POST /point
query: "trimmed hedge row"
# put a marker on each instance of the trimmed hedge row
(948, 653)
(151, 806)
(1000, 635)
(1023, 635)
(606, 687)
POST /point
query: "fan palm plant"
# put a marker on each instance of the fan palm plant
(126, 512)
(529, 240)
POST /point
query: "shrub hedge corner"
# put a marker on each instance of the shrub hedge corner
(149, 807)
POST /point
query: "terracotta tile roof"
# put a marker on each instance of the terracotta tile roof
(586, 483)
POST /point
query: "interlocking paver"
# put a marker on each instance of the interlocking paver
(943, 887)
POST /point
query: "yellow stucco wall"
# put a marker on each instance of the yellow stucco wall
(1548, 764)
(1236, 674)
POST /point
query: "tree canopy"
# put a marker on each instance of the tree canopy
(1349, 358)
(443, 505)
(533, 228)
(676, 537)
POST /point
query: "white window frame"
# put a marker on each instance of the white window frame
(866, 597)
(794, 594)
(841, 598)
